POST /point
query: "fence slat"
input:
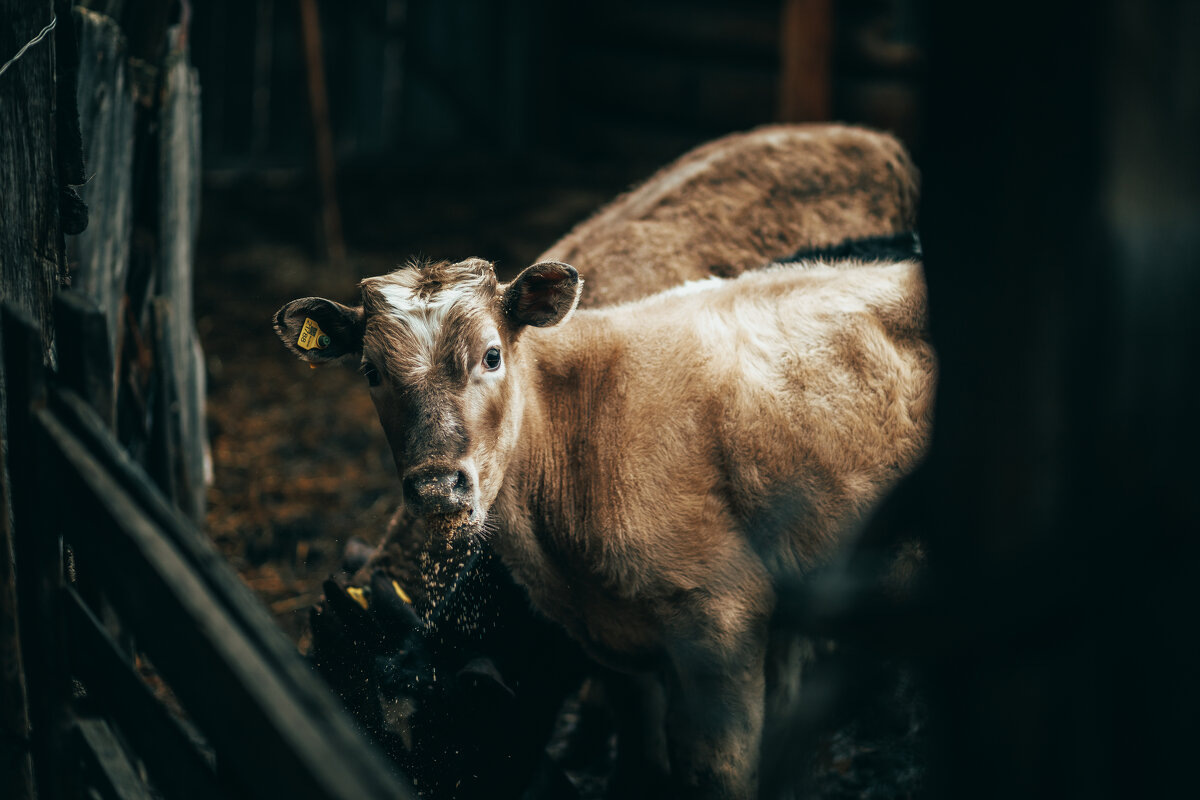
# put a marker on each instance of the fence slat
(105, 757)
(16, 759)
(265, 733)
(178, 769)
(85, 361)
(37, 555)
(236, 598)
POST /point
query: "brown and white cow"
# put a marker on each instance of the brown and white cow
(730, 205)
(652, 468)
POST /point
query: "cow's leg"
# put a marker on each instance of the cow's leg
(638, 702)
(715, 709)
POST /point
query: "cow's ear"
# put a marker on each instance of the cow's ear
(320, 330)
(542, 295)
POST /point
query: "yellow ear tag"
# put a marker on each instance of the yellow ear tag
(403, 595)
(356, 594)
(311, 336)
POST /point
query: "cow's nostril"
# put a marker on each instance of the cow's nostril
(435, 491)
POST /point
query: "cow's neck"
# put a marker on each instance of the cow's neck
(541, 482)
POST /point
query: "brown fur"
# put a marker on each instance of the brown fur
(657, 466)
(741, 201)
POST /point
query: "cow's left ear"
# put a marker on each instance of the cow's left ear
(542, 295)
(320, 330)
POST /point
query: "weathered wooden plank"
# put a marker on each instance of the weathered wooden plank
(37, 554)
(16, 764)
(274, 743)
(179, 215)
(106, 767)
(30, 239)
(175, 764)
(168, 461)
(29, 266)
(100, 255)
(85, 362)
(233, 595)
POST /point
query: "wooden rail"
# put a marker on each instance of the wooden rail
(110, 569)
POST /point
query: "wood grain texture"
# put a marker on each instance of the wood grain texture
(287, 737)
(30, 239)
(29, 269)
(99, 256)
(179, 216)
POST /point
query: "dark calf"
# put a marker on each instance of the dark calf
(465, 702)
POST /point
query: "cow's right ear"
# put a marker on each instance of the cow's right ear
(320, 330)
(542, 295)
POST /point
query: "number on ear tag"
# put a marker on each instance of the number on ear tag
(311, 336)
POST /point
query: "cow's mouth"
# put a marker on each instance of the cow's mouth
(452, 526)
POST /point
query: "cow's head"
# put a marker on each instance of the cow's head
(439, 347)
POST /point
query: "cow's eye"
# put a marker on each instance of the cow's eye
(372, 374)
(491, 359)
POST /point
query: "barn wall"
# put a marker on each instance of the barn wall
(595, 78)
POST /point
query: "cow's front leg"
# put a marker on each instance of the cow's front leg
(715, 710)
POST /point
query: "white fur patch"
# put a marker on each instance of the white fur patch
(695, 287)
(424, 317)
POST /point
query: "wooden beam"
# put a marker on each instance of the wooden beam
(85, 362)
(175, 764)
(105, 763)
(806, 56)
(37, 554)
(274, 736)
(318, 100)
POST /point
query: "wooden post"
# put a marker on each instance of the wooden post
(85, 363)
(100, 255)
(318, 101)
(806, 60)
(179, 215)
(30, 265)
(37, 549)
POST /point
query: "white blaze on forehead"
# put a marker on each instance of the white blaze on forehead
(423, 316)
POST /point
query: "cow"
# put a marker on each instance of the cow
(727, 206)
(647, 471)
(734, 204)
(463, 701)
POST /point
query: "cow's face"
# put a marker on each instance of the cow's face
(438, 345)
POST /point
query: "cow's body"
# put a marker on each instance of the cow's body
(726, 207)
(740, 202)
(650, 470)
(776, 406)
(683, 452)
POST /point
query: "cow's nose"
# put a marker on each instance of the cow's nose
(437, 491)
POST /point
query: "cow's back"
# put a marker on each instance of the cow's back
(782, 403)
(740, 202)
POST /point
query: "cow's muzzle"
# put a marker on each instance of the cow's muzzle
(437, 490)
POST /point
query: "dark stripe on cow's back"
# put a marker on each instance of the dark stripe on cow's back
(897, 247)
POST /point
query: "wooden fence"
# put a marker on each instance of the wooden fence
(133, 661)
(114, 580)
